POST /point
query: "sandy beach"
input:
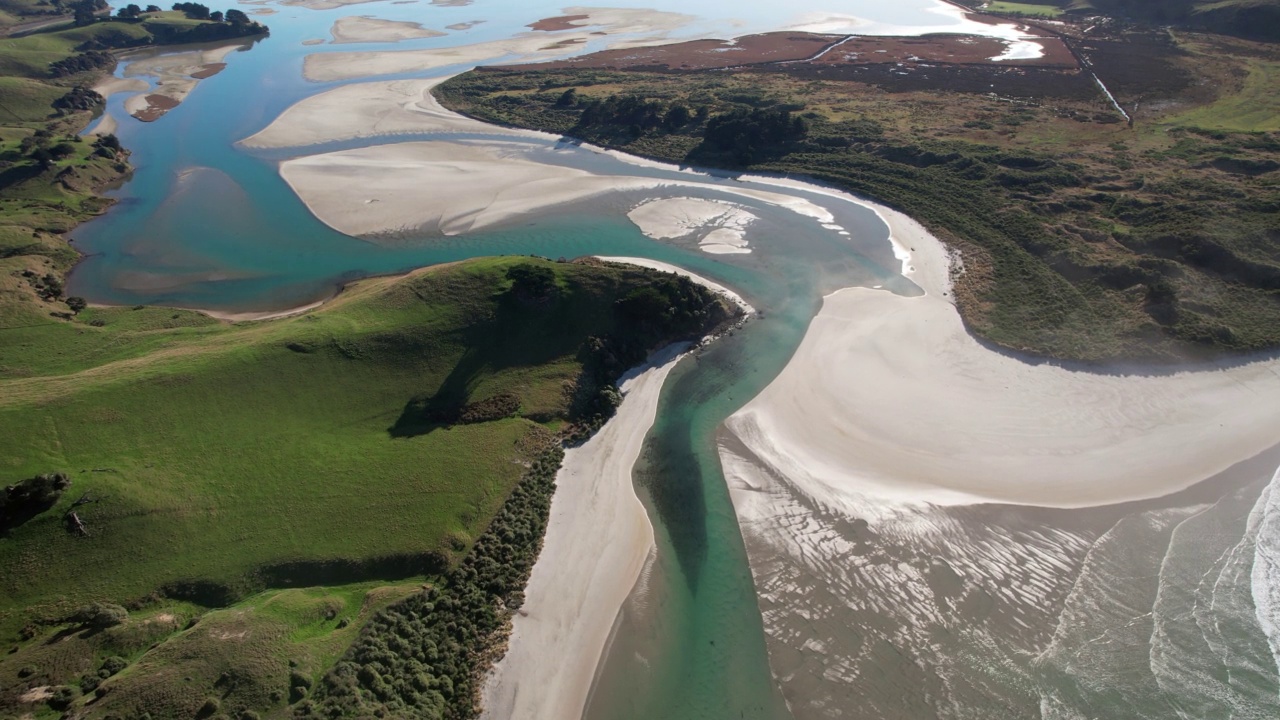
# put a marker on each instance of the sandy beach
(365, 29)
(913, 409)
(597, 541)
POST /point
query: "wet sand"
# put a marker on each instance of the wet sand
(524, 48)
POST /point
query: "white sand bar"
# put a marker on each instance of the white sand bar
(365, 29)
(446, 187)
(367, 110)
(457, 187)
(111, 85)
(597, 541)
(890, 397)
(526, 47)
(720, 225)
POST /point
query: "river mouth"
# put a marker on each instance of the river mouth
(207, 224)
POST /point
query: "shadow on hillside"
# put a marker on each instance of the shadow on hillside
(519, 334)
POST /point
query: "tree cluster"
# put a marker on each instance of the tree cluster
(81, 62)
(28, 498)
(748, 136)
(421, 657)
(78, 98)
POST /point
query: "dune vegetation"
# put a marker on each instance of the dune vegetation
(1082, 236)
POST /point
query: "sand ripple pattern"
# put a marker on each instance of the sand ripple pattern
(1140, 610)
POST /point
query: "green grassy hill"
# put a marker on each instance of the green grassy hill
(373, 439)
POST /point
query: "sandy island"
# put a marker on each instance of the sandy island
(597, 542)
(365, 29)
(719, 227)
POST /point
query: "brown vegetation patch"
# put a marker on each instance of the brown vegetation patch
(157, 105)
(706, 54)
(993, 78)
(561, 22)
(1137, 65)
(208, 70)
(953, 49)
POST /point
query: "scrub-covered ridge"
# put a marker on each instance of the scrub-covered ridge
(1086, 230)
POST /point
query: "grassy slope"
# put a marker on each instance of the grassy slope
(221, 449)
(1074, 232)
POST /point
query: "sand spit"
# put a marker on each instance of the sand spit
(366, 29)
(112, 85)
(712, 285)
(598, 539)
(527, 47)
(368, 110)
(384, 189)
(176, 75)
(107, 125)
(914, 410)
(462, 186)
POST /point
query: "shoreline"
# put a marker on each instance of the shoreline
(917, 412)
(598, 541)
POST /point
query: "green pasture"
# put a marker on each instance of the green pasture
(1024, 9)
(1254, 107)
(216, 449)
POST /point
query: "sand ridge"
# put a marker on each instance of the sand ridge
(525, 47)
(368, 29)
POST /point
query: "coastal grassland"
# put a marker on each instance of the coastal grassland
(1081, 238)
(1252, 103)
(371, 440)
(1258, 19)
(1029, 9)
